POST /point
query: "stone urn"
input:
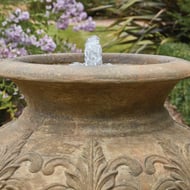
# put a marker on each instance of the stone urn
(95, 128)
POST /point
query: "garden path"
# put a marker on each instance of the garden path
(104, 22)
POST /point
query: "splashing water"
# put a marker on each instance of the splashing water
(93, 52)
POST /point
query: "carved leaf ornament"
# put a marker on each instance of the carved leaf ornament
(93, 171)
(177, 163)
(10, 162)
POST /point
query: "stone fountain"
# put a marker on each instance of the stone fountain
(98, 127)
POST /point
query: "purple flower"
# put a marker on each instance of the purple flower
(4, 52)
(69, 47)
(40, 31)
(83, 16)
(63, 22)
(58, 6)
(32, 40)
(14, 33)
(13, 18)
(22, 52)
(47, 44)
(18, 16)
(74, 49)
(88, 25)
(24, 16)
(80, 7)
(72, 13)
(17, 11)
(10, 50)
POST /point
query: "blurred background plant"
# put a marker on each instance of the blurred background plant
(180, 96)
(103, 9)
(149, 23)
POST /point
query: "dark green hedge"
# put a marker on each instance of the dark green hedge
(180, 96)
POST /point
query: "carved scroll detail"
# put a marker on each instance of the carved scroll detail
(92, 171)
(10, 162)
(8, 156)
(177, 163)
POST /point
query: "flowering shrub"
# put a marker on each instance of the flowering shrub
(26, 32)
(18, 37)
(64, 13)
(72, 12)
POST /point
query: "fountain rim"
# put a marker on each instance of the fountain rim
(165, 69)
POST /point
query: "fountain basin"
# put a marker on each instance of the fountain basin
(95, 127)
(124, 68)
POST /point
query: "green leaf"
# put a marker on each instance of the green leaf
(129, 4)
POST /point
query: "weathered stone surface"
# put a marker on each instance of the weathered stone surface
(95, 128)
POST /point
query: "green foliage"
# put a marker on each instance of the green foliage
(11, 101)
(37, 11)
(36, 6)
(106, 8)
(147, 23)
(180, 50)
(180, 96)
(7, 2)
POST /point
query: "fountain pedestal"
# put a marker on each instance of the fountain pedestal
(95, 128)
